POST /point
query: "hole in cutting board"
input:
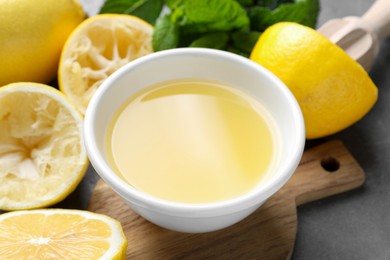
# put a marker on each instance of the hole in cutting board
(330, 164)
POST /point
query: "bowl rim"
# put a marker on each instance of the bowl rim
(144, 200)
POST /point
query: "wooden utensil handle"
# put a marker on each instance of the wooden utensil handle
(325, 170)
(378, 18)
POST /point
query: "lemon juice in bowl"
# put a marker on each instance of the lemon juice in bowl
(208, 107)
(192, 141)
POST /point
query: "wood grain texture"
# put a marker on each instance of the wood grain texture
(269, 233)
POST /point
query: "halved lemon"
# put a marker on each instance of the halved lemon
(42, 154)
(98, 47)
(332, 89)
(60, 234)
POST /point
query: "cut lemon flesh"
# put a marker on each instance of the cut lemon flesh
(60, 234)
(42, 155)
(98, 47)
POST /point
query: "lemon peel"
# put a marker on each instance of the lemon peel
(32, 36)
(332, 89)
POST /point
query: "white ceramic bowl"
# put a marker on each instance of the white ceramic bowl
(205, 64)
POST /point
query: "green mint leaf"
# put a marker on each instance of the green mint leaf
(245, 2)
(147, 10)
(166, 34)
(245, 41)
(172, 4)
(273, 4)
(237, 51)
(202, 16)
(301, 11)
(260, 17)
(216, 40)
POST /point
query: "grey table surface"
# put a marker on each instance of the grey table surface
(353, 225)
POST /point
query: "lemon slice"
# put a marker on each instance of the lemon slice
(42, 155)
(98, 47)
(60, 234)
(332, 89)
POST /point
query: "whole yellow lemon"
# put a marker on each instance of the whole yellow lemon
(32, 34)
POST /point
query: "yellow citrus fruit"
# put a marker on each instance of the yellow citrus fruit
(98, 47)
(332, 89)
(42, 155)
(60, 234)
(32, 35)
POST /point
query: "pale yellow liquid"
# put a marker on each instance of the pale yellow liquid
(192, 141)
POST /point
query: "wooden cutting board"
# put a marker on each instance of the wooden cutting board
(269, 233)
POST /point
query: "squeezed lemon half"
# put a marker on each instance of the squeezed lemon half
(98, 47)
(42, 155)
